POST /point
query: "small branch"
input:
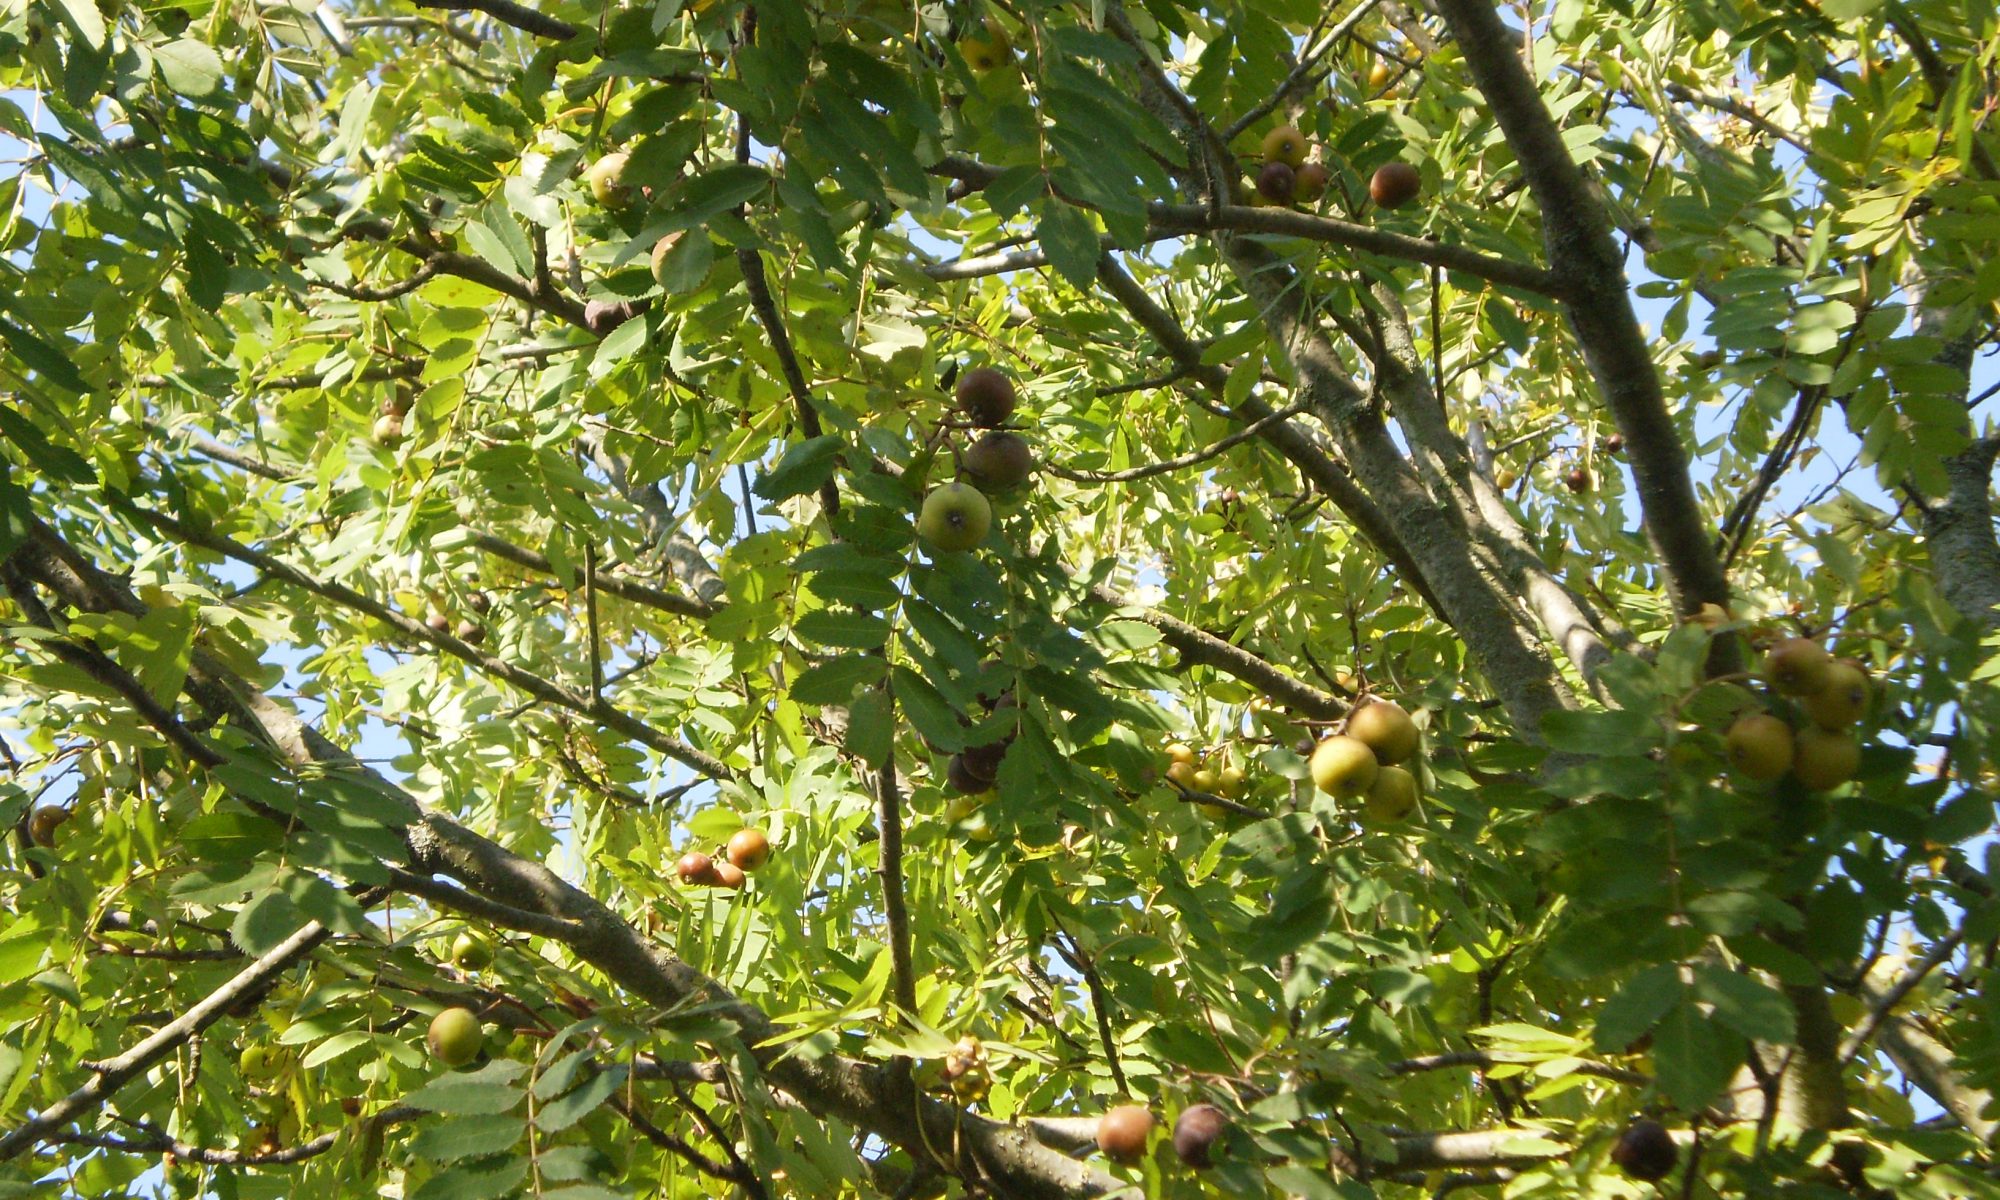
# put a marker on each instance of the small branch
(156, 1142)
(889, 848)
(1883, 1000)
(1300, 70)
(1485, 1061)
(1099, 1004)
(507, 12)
(470, 904)
(1194, 458)
(425, 272)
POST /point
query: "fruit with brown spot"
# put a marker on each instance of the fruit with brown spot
(986, 397)
(1122, 1132)
(748, 849)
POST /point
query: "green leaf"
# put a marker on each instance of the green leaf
(1643, 1000)
(456, 1139)
(266, 920)
(843, 628)
(560, 1114)
(84, 18)
(1751, 1008)
(189, 67)
(928, 711)
(871, 728)
(1694, 1057)
(804, 466)
(484, 1091)
(834, 681)
(474, 1183)
(1070, 240)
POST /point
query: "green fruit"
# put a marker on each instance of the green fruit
(1794, 666)
(1386, 728)
(1760, 746)
(1391, 797)
(661, 249)
(388, 430)
(472, 953)
(1841, 699)
(1231, 782)
(1823, 760)
(999, 460)
(1343, 766)
(606, 180)
(260, 1063)
(1285, 144)
(1207, 781)
(955, 518)
(455, 1037)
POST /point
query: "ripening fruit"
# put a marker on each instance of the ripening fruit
(43, 824)
(1285, 144)
(471, 953)
(259, 1063)
(438, 622)
(986, 397)
(1823, 760)
(606, 180)
(1343, 766)
(1197, 1130)
(1182, 773)
(1380, 74)
(727, 874)
(1386, 729)
(961, 776)
(1578, 480)
(1760, 746)
(1646, 1151)
(999, 460)
(479, 602)
(471, 632)
(955, 518)
(1181, 752)
(1231, 781)
(1277, 182)
(1506, 478)
(1841, 699)
(988, 50)
(1391, 797)
(388, 430)
(1395, 184)
(749, 849)
(695, 867)
(1614, 443)
(1310, 182)
(454, 1037)
(1122, 1132)
(1206, 780)
(1794, 666)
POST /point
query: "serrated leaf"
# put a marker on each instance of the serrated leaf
(485, 1090)
(931, 714)
(335, 1046)
(871, 728)
(267, 919)
(803, 467)
(567, 1110)
(1750, 1007)
(474, 1183)
(1070, 240)
(189, 67)
(456, 1139)
(843, 628)
(1643, 1000)
(1694, 1057)
(833, 681)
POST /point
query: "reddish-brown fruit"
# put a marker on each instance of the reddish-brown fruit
(471, 632)
(1646, 1151)
(984, 761)
(480, 602)
(960, 777)
(1614, 443)
(695, 867)
(749, 849)
(44, 823)
(1277, 181)
(999, 460)
(438, 622)
(1196, 1132)
(986, 396)
(1578, 480)
(1122, 1132)
(1395, 184)
(727, 874)
(1311, 182)
(603, 316)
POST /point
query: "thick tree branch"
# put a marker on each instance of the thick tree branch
(520, 16)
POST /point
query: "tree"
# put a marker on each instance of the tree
(462, 459)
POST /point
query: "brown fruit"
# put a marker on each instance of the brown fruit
(1823, 760)
(1614, 443)
(1395, 184)
(1386, 729)
(1646, 1151)
(471, 632)
(1122, 1132)
(1794, 666)
(44, 824)
(1760, 746)
(960, 777)
(1578, 480)
(1311, 182)
(1841, 699)
(1196, 1131)
(603, 316)
(986, 396)
(480, 602)
(1277, 181)
(1285, 144)
(438, 622)
(984, 761)
(695, 867)
(728, 874)
(749, 849)
(999, 460)
(1343, 766)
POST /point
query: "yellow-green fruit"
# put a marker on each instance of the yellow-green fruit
(1231, 782)
(1181, 752)
(988, 50)
(1760, 746)
(1823, 759)
(1207, 781)
(471, 953)
(606, 180)
(44, 823)
(1392, 797)
(1794, 666)
(388, 430)
(259, 1063)
(1506, 478)
(1343, 766)
(1386, 728)
(661, 249)
(955, 517)
(1842, 697)
(1285, 144)
(1182, 773)
(455, 1037)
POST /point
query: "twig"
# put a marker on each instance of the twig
(1885, 1002)
(507, 12)
(1193, 458)
(1300, 70)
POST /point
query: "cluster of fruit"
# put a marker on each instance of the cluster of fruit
(1289, 177)
(1820, 751)
(1361, 760)
(465, 629)
(956, 516)
(1122, 1133)
(965, 1070)
(747, 850)
(976, 768)
(1185, 768)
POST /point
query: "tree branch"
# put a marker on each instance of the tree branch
(507, 12)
